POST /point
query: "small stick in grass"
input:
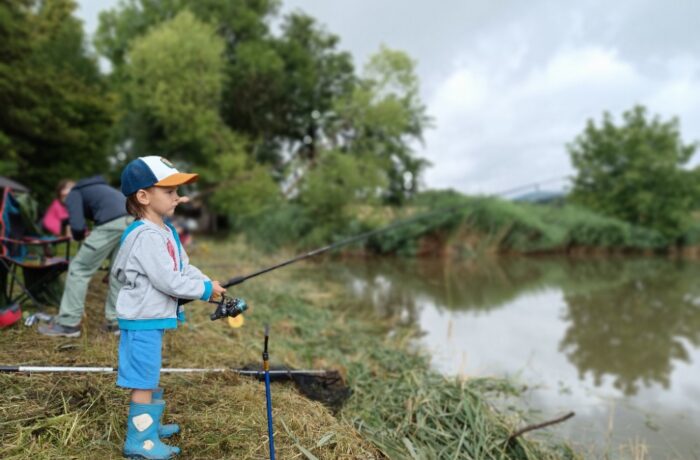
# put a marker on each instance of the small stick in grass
(537, 426)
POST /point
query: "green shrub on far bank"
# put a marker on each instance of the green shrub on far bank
(585, 228)
(691, 237)
(637, 171)
(469, 224)
(504, 226)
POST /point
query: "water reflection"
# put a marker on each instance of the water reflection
(625, 318)
(614, 340)
(392, 285)
(632, 320)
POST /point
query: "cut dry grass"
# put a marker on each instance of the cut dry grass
(400, 409)
(222, 416)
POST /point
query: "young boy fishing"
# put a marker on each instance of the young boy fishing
(155, 272)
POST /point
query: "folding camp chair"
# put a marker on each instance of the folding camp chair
(24, 251)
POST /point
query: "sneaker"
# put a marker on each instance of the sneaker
(54, 329)
(112, 328)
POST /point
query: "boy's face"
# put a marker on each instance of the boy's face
(162, 200)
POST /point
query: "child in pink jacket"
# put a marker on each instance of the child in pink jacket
(56, 216)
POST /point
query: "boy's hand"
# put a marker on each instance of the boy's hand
(217, 289)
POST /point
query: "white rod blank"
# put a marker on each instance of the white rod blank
(166, 370)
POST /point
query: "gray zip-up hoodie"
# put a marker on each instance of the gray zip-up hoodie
(155, 272)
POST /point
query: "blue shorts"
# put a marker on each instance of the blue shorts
(140, 354)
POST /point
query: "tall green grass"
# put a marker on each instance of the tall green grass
(504, 226)
(413, 412)
(469, 224)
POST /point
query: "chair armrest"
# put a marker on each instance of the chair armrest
(29, 241)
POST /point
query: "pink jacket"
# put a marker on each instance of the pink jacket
(54, 217)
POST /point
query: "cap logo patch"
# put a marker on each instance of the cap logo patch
(167, 162)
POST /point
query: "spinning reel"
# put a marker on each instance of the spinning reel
(228, 307)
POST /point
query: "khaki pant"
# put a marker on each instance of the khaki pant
(102, 242)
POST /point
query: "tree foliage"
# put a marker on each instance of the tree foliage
(175, 76)
(269, 118)
(384, 116)
(175, 79)
(289, 99)
(55, 111)
(282, 90)
(636, 171)
(340, 180)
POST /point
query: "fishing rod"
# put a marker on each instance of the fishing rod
(232, 307)
(344, 242)
(326, 386)
(166, 370)
(400, 223)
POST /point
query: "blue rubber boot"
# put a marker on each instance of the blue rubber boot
(169, 429)
(142, 433)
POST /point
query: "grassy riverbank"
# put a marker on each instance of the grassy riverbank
(399, 408)
(476, 225)
(470, 225)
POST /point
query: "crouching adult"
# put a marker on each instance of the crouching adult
(90, 199)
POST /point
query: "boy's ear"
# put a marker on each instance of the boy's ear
(143, 197)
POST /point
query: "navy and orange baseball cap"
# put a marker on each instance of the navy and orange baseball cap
(150, 171)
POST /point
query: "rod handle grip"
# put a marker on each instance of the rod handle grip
(234, 281)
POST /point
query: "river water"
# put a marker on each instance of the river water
(615, 340)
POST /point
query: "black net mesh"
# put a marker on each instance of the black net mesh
(328, 388)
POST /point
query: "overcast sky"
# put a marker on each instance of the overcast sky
(509, 83)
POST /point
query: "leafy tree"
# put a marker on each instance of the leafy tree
(275, 104)
(378, 121)
(315, 75)
(15, 44)
(175, 75)
(338, 181)
(273, 87)
(175, 81)
(55, 112)
(60, 41)
(384, 116)
(635, 171)
(237, 21)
